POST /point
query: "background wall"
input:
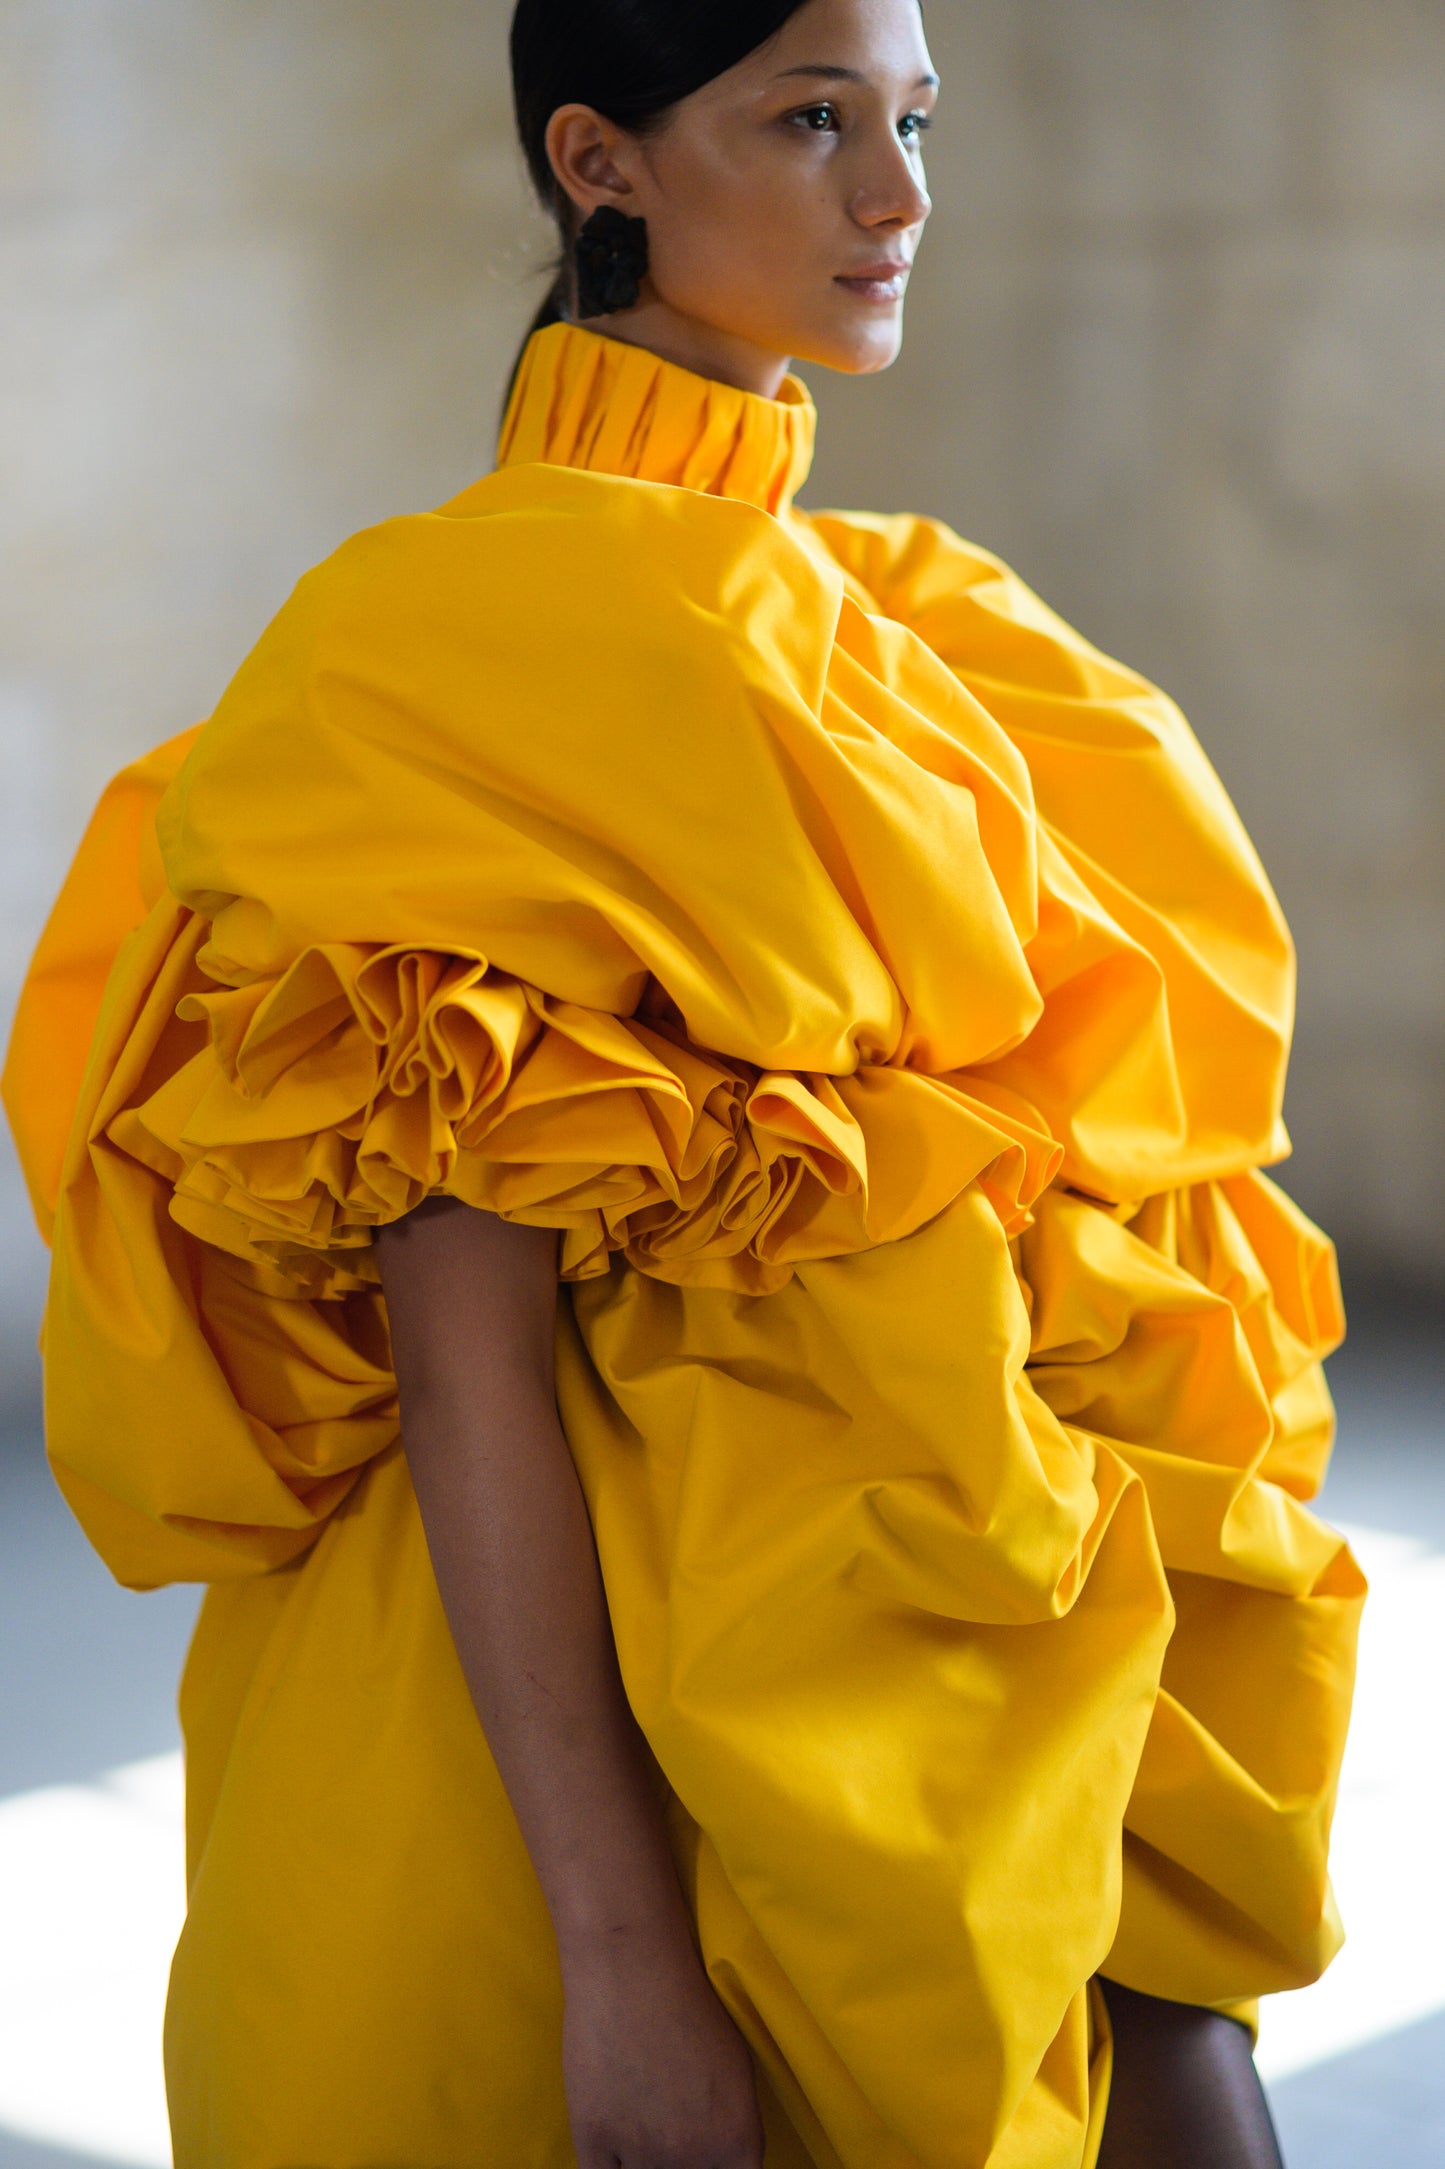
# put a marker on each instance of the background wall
(1175, 351)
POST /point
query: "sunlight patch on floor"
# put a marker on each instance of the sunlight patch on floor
(92, 1892)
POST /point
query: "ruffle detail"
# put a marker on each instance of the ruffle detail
(330, 1100)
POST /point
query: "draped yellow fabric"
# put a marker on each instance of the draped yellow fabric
(875, 985)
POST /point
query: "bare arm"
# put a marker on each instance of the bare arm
(654, 2067)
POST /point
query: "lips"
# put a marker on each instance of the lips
(883, 281)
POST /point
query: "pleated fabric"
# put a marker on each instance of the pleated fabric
(874, 985)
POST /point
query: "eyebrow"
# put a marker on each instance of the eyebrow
(848, 75)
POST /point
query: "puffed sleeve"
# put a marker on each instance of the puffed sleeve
(573, 937)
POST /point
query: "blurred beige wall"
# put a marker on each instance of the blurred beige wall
(1177, 349)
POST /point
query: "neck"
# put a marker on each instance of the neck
(690, 344)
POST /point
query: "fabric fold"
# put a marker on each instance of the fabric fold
(1164, 961)
(333, 1099)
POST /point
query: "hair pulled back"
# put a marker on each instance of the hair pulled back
(631, 61)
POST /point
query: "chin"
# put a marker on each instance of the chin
(857, 353)
(880, 357)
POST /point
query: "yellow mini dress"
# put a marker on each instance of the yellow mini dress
(876, 987)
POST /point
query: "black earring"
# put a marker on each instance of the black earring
(611, 257)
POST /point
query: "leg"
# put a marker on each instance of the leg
(1185, 2093)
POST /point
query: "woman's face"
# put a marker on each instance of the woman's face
(784, 201)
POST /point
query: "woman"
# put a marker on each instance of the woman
(909, 1683)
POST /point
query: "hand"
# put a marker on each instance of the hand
(657, 2074)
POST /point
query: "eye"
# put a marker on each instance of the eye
(820, 119)
(914, 126)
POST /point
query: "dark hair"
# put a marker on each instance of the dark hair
(630, 60)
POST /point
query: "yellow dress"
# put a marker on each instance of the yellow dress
(876, 986)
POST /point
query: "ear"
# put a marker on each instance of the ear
(589, 156)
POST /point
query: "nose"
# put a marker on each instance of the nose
(892, 196)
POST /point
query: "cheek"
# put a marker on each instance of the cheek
(738, 231)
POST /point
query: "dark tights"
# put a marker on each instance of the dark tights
(1185, 2093)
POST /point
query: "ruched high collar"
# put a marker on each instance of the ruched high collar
(582, 400)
